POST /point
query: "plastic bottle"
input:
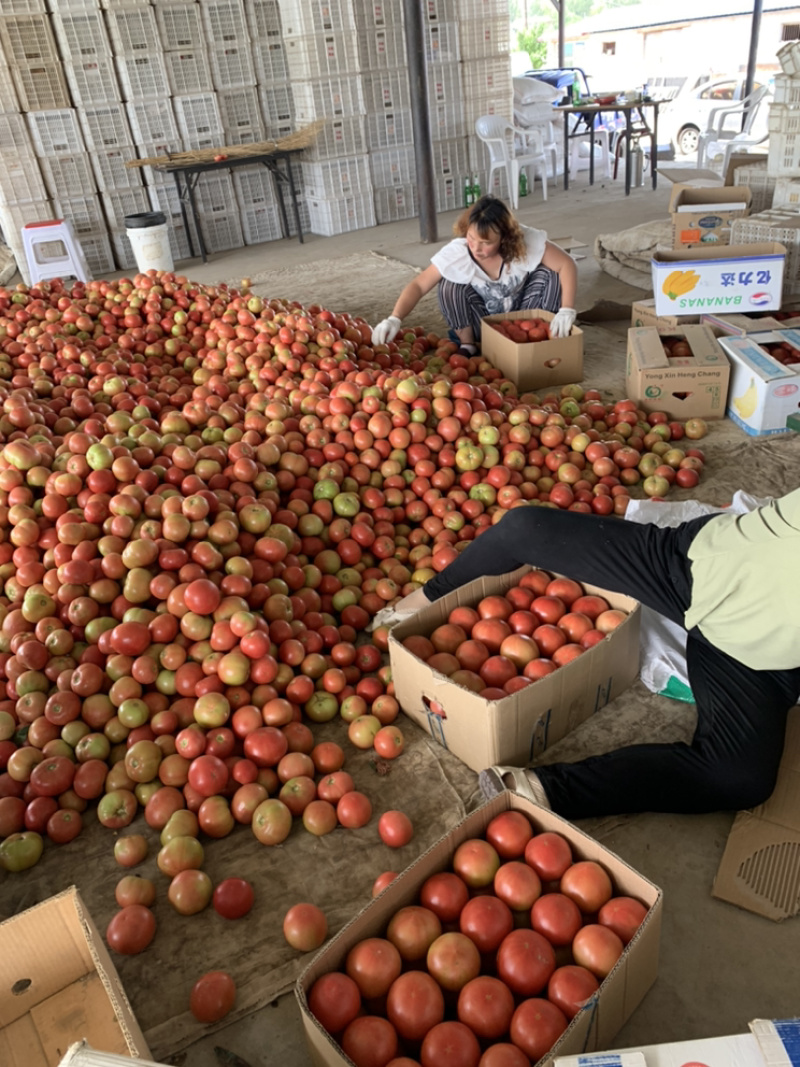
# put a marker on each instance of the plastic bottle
(476, 188)
(576, 91)
(469, 196)
(523, 183)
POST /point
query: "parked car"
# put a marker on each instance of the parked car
(683, 118)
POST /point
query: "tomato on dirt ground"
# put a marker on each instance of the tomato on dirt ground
(233, 898)
(131, 930)
(212, 997)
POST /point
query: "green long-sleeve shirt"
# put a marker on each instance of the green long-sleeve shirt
(745, 585)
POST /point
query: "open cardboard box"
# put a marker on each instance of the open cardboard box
(643, 313)
(58, 985)
(703, 217)
(519, 728)
(759, 869)
(694, 386)
(744, 323)
(539, 364)
(720, 279)
(763, 393)
(596, 1024)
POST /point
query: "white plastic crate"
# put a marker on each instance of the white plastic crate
(301, 18)
(386, 90)
(67, 175)
(124, 256)
(321, 55)
(240, 110)
(84, 212)
(389, 129)
(92, 81)
(449, 194)
(302, 211)
(20, 176)
(143, 76)
(152, 150)
(55, 132)
(99, 257)
(133, 30)
(339, 137)
(450, 158)
(73, 5)
(165, 198)
(28, 39)
(328, 98)
(377, 14)
(488, 77)
(787, 193)
(447, 120)
(761, 183)
(198, 116)
(789, 57)
(232, 66)
(277, 104)
(189, 71)
(180, 26)
(441, 42)
(179, 241)
(344, 176)
(23, 7)
(41, 86)
(238, 135)
(776, 224)
(222, 232)
(278, 132)
(81, 34)
(783, 160)
(483, 9)
(224, 21)
(117, 203)
(479, 38)
(260, 222)
(9, 101)
(269, 60)
(13, 216)
(475, 106)
(152, 120)
(264, 20)
(444, 83)
(253, 185)
(393, 167)
(214, 193)
(14, 134)
(440, 10)
(111, 170)
(330, 217)
(381, 48)
(207, 141)
(105, 126)
(786, 90)
(399, 202)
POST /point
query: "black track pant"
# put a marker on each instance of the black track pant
(732, 761)
(462, 306)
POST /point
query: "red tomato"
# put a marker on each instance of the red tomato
(13, 815)
(570, 987)
(208, 775)
(354, 809)
(64, 825)
(37, 813)
(502, 1054)
(525, 961)
(370, 1041)
(305, 927)
(373, 964)
(549, 854)
(445, 894)
(536, 1026)
(52, 776)
(412, 930)
(334, 1000)
(133, 889)
(517, 885)
(414, 1004)
(509, 833)
(450, 1043)
(476, 861)
(212, 997)
(486, 1005)
(486, 920)
(556, 917)
(623, 915)
(382, 881)
(395, 829)
(453, 960)
(588, 884)
(233, 898)
(596, 948)
(131, 930)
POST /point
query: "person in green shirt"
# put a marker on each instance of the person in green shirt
(731, 581)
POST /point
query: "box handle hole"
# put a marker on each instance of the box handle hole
(22, 985)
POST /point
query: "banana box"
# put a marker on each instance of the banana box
(693, 384)
(763, 393)
(726, 279)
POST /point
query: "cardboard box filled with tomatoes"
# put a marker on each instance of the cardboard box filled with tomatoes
(683, 373)
(765, 380)
(533, 666)
(518, 343)
(467, 927)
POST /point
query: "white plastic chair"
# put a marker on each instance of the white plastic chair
(513, 150)
(725, 124)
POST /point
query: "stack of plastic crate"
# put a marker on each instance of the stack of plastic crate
(783, 159)
(272, 73)
(180, 28)
(775, 224)
(258, 207)
(23, 197)
(484, 34)
(322, 58)
(32, 54)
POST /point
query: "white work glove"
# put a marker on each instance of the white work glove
(386, 331)
(563, 322)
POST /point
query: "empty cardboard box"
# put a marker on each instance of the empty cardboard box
(703, 217)
(538, 364)
(687, 387)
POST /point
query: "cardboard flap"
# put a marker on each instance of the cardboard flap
(705, 348)
(759, 361)
(693, 196)
(760, 868)
(734, 253)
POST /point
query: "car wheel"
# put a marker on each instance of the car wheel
(687, 140)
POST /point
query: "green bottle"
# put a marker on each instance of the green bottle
(523, 183)
(476, 188)
(576, 92)
(469, 196)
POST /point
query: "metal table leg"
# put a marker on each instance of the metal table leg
(191, 181)
(177, 176)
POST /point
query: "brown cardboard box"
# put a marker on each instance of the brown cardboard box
(538, 365)
(58, 985)
(759, 870)
(743, 324)
(703, 217)
(520, 727)
(595, 1026)
(694, 386)
(643, 313)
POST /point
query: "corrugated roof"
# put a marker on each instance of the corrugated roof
(651, 13)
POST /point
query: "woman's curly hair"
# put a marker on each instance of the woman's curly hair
(491, 218)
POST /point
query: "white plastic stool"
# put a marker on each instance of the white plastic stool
(44, 262)
(598, 136)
